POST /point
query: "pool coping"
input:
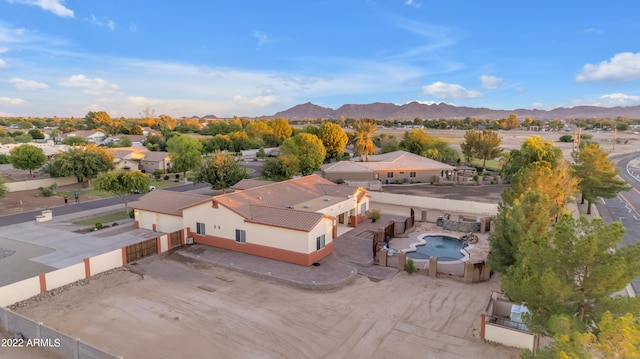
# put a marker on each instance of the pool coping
(421, 241)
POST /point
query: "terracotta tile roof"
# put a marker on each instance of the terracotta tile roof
(168, 202)
(249, 183)
(285, 196)
(284, 217)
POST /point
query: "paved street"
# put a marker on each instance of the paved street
(624, 208)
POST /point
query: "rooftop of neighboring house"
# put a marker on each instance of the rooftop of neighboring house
(249, 183)
(156, 156)
(168, 202)
(397, 160)
(133, 138)
(85, 133)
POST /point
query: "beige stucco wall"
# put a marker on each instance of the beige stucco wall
(345, 206)
(65, 276)
(18, 291)
(509, 337)
(424, 176)
(164, 222)
(447, 205)
(106, 261)
(222, 222)
(37, 183)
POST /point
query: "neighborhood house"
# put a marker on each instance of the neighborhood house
(398, 166)
(293, 221)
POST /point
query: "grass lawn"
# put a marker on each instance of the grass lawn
(492, 165)
(106, 218)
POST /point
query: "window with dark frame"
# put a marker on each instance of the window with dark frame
(241, 236)
(320, 242)
(200, 229)
(412, 174)
(389, 174)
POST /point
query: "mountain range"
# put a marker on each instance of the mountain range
(412, 110)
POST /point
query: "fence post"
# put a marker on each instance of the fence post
(5, 319)
(383, 257)
(468, 272)
(433, 266)
(483, 322)
(402, 258)
(76, 349)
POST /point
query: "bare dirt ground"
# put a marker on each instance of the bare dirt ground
(23, 201)
(178, 308)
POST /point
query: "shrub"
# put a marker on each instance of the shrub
(375, 214)
(566, 138)
(53, 187)
(131, 214)
(99, 225)
(166, 178)
(339, 181)
(177, 176)
(157, 173)
(409, 267)
(46, 192)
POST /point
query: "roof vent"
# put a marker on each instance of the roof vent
(305, 206)
(327, 199)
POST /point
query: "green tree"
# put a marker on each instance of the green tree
(533, 149)
(3, 189)
(419, 142)
(185, 153)
(27, 157)
(123, 184)
(74, 141)
(84, 162)
(36, 134)
(124, 141)
(280, 168)
(364, 129)
(155, 143)
(597, 174)
(221, 171)
(570, 272)
(484, 145)
(308, 149)
(333, 138)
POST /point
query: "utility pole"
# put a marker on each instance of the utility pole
(615, 132)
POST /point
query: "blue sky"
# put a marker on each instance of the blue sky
(257, 57)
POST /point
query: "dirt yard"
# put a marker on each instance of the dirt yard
(178, 308)
(24, 201)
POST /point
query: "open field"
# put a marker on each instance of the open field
(180, 308)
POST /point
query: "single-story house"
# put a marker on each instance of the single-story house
(155, 160)
(128, 158)
(91, 136)
(293, 221)
(398, 166)
(136, 140)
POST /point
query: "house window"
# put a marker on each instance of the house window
(363, 209)
(352, 212)
(200, 229)
(389, 174)
(320, 242)
(412, 174)
(241, 236)
(401, 173)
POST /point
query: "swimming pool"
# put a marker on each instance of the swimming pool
(441, 246)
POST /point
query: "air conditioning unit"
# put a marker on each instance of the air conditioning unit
(189, 240)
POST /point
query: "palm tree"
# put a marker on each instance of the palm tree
(363, 138)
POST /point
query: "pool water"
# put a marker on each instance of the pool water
(443, 247)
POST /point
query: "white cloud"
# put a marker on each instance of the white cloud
(3, 63)
(263, 39)
(624, 66)
(620, 99)
(11, 101)
(3, 49)
(443, 90)
(23, 84)
(94, 108)
(103, 22)
(593, 30)
(491, 82)
(413, 3)
(142, 101)
(260, 101)
(89, 86)
(55, 6)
